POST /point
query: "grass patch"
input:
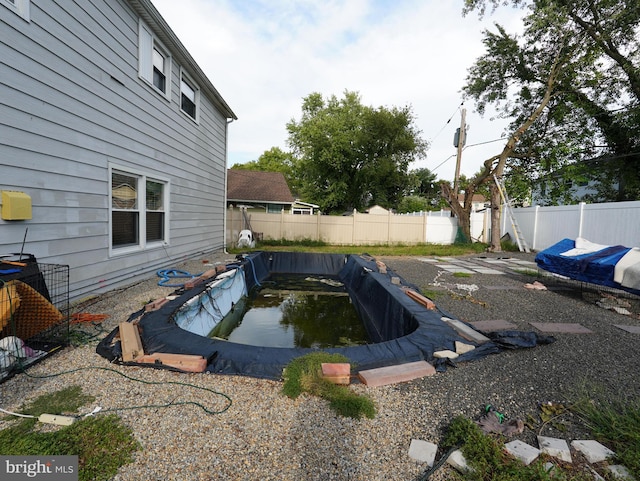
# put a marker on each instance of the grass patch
(430, 293)
(527, 272)
(102, 443)
(304, 374)
(489, 462)
(617, 426)
(461, 274)
(374, 250)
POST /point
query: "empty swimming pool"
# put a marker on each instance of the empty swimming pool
(399, 329)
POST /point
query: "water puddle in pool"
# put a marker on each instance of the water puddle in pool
(294, 311)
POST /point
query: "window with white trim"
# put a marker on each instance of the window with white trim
(20, 7)
(154, 61)
(189, 96)
(139, 208)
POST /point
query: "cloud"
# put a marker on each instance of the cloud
(265, 56)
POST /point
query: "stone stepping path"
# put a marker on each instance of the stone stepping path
(479, 265)
(631, 329)
(493, 325)
(561, 327)
(594, 452)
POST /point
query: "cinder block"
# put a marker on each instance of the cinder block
(445, 354)
(620, 472)
(423, 451)
(465, 331)
(522, 451)
(456, 460)
(558, 448)
(155, 305)
(462, 348)
(191, 283)
(592, 450)
(337, 373)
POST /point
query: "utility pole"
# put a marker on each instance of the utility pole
(462, 134)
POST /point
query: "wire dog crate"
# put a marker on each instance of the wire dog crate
(34, 304)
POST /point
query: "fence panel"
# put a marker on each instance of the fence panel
(441, 230)
(407, 229)
(336, 230)
(607, 223)
(612, 224)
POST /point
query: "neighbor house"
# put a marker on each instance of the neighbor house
(263, 191)
(112, 136)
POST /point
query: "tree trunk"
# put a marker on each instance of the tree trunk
(495, 245)
(462, 212)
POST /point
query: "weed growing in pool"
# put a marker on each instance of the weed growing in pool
(304, 374)
(102, 443)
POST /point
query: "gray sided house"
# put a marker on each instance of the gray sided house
(113, 138)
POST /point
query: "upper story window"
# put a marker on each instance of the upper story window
(20, 7)
(154, 61)
(139, 207)
(189, 96)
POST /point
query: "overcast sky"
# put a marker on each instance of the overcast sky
(265, 56)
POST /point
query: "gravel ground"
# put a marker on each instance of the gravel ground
(265, 435)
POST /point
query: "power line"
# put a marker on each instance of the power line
(447, 122)
(442, 163)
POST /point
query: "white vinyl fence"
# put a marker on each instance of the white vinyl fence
(614, 223)
(355, 229)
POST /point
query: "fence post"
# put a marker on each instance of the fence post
(389, 229)
(282, 224)
(424, 227)
(580, 217)
(535, 227)
(353, 228)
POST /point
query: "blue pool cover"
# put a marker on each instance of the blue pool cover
(400, 329)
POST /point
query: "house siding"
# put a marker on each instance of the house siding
(72, 105)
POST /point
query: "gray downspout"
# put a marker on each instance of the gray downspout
(226, 162)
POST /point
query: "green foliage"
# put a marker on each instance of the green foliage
(588, 131)
(67, 400)
(617, 425)
(508, 245)
(461, 274)
(102, 443)
(304, 374)
(351, 155)
(374, 250)
(489, 462)
(413, 203)
(298, 242)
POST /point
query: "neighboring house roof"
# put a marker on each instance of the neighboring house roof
(377, 210)
(477, 198)
(161, 29)
(255, 186)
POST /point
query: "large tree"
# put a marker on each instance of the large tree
(350, 156)
(590, 131)
(569, 83)
(492, 78)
